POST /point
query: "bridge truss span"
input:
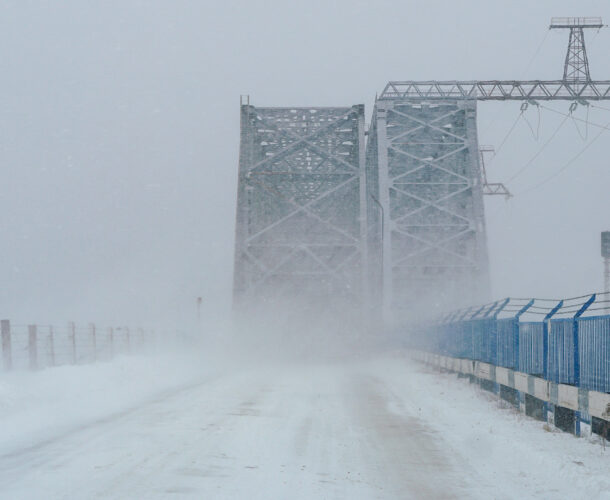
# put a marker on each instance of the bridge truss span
(300, 196)
(426, 228)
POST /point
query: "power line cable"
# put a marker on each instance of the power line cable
(535, 135)
(568, 163)
(586, 136)
(548, 141)
(598, 107)
(593, 124)
(529, 64)
(507, 135)
(531, 61)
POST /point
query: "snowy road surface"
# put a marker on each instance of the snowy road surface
(381, 428)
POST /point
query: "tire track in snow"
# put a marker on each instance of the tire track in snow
(407, 450)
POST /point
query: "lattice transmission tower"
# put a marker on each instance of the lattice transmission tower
(576, 66)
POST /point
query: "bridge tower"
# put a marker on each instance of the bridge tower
(301, 221)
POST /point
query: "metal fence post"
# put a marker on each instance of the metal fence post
(575, 339)
(577, 356)
(496, 313)
(475, 341)
(546, 331)
(33, 346)
(5, 327)
(522, 311)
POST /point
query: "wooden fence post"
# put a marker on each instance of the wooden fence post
(111, 339)
(5, 327)
(93, 340)
(51, 346)
(33, 346)
(72, 335)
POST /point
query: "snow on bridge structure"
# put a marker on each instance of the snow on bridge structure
(397, 223)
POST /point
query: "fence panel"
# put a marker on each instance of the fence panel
(20, 347)
(440, 339)
(594, 353)
(531, 347)
(484, 339)
(561, 351)
(465, 340)
(45, 346)
(507, 348)
(577, 348)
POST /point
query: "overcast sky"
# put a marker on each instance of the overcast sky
(119, 136)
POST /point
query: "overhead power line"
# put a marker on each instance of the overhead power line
(510, 131)
(568, 163)
(593, 124)
(537, 51)
(539, 152)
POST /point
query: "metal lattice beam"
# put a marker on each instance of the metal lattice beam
(499, 90)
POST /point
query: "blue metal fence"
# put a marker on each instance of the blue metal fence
(484, 340)
(564, 345)
(594, 359)
(508, 348)
(561, 351)
(531, 347)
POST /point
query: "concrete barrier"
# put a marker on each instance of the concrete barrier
(581, 402)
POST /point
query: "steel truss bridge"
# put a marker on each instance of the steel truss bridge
(391, 218)
(300, 218)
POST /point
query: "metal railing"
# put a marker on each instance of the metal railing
(565, 341)
(570, 22)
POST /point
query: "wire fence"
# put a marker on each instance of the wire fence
(40, 346)
(566, 341)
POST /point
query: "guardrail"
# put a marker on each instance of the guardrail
(565, 341)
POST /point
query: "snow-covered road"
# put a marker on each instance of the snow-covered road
(381, 428)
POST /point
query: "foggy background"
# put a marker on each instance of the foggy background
(119, 137)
